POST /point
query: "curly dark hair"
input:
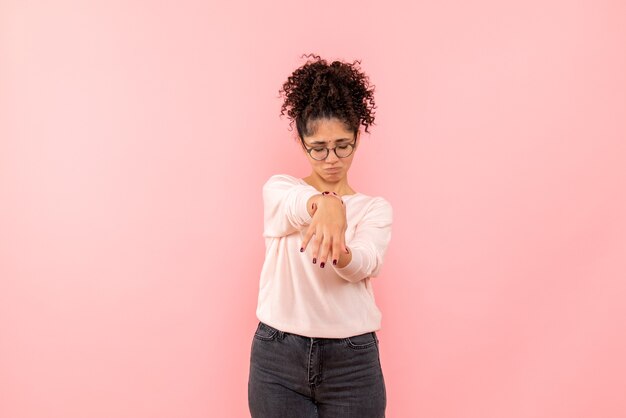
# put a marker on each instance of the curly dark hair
(318, 90)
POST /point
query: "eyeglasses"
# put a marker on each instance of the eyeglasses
(321, 153)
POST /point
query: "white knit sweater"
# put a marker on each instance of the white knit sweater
(300, 297)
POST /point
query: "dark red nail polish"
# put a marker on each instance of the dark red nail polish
(301, 249)
(314, 260)
(334, 262)
(322, 265)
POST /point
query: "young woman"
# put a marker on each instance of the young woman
(315, 352)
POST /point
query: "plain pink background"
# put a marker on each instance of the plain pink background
(135, 138)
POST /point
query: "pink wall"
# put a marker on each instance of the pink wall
(134, 141)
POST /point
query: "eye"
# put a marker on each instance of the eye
(342, 146)
(318, 149)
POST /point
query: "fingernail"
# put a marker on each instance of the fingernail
(301, 249)
(314, 260)
(322, 265)
(334, 262)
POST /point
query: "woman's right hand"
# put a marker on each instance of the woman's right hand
(329, 225)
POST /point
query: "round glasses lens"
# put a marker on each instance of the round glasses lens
(319, 153)
(343, 151)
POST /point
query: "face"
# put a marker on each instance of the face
(330, 133)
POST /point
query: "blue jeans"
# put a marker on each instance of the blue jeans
(293, 376)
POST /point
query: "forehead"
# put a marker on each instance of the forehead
(327, 131)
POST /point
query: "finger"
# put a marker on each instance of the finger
(324, 250)
(327, 248)
(315, 248)
(343, 246)
(336, 248)
(307, 237)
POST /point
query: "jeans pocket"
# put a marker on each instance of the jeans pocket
(265, 332)
(361, 341)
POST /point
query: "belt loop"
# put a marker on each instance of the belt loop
(281, 334)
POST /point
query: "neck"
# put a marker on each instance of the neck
(340, 187)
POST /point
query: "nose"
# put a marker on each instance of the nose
(331, 156)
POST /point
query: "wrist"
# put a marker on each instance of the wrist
(333, 194)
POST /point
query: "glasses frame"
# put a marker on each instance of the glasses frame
(308, 150)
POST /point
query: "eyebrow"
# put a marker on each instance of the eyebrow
(323, 142)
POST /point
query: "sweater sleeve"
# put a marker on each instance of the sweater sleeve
(284, 205)
(369, 244)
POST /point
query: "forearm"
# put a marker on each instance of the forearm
(313, 200)
(284, 201)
